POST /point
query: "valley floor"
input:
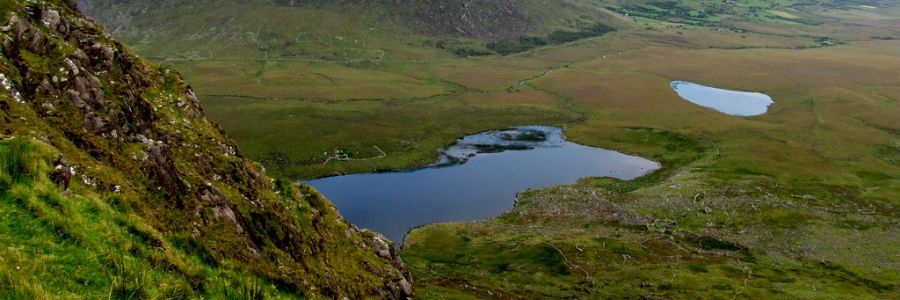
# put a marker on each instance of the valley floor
(795, 203)
(801, 202)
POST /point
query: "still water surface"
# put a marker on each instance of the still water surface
(476, 178)
(735, 103)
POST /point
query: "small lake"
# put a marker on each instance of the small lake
(735, 103)
(474, 179)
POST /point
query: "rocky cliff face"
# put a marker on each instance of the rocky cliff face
(489, 19)
(124, 127)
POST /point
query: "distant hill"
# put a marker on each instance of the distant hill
(318, 28)
(480, 18)
(324, 29)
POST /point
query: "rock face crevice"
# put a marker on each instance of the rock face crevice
(131, 128)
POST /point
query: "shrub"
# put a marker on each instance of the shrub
(524, 43)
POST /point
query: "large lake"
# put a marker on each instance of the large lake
(475, 179)
(735, 103)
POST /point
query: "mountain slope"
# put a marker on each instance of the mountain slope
(325, 30)
(406, 29)
(478, 18)
(798, 203)
(113, 178)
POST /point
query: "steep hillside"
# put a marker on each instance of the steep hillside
(406, 29)
(364, 75)
(798, 203)
(471, 18)
(325, 30)
(113, 183)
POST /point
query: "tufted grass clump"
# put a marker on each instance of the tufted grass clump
(79, 244)
(19, 161)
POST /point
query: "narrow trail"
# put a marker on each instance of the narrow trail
(566, 258)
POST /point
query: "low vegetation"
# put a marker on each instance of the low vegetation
(798, 203)
(76, 243)
(113, 184)
(524, 43)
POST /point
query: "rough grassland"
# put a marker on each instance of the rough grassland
(80, 244)
(798, 203)
(802, 199)
(114, 184)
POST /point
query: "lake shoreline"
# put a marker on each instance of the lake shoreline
(476, 178)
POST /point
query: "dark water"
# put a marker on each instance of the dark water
(734, 103)
(477, 178)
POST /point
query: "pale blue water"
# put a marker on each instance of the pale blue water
(477, 178)
(734, 103)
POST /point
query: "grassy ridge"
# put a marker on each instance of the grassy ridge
(114, 184)
(64, 244)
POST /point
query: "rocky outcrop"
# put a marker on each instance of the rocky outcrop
(488, 19)
(131, 128)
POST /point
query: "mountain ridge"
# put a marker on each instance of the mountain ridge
(470, 18)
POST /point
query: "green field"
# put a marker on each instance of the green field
(801, 202)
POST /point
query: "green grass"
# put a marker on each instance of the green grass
(409, 132)
(161, 204)
(780, 205)
(618, 252)
(17, 157)
(63, 245)
(741, 195)
(798, 203)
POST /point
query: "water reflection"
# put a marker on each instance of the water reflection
(734, 103)
(476, 178)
